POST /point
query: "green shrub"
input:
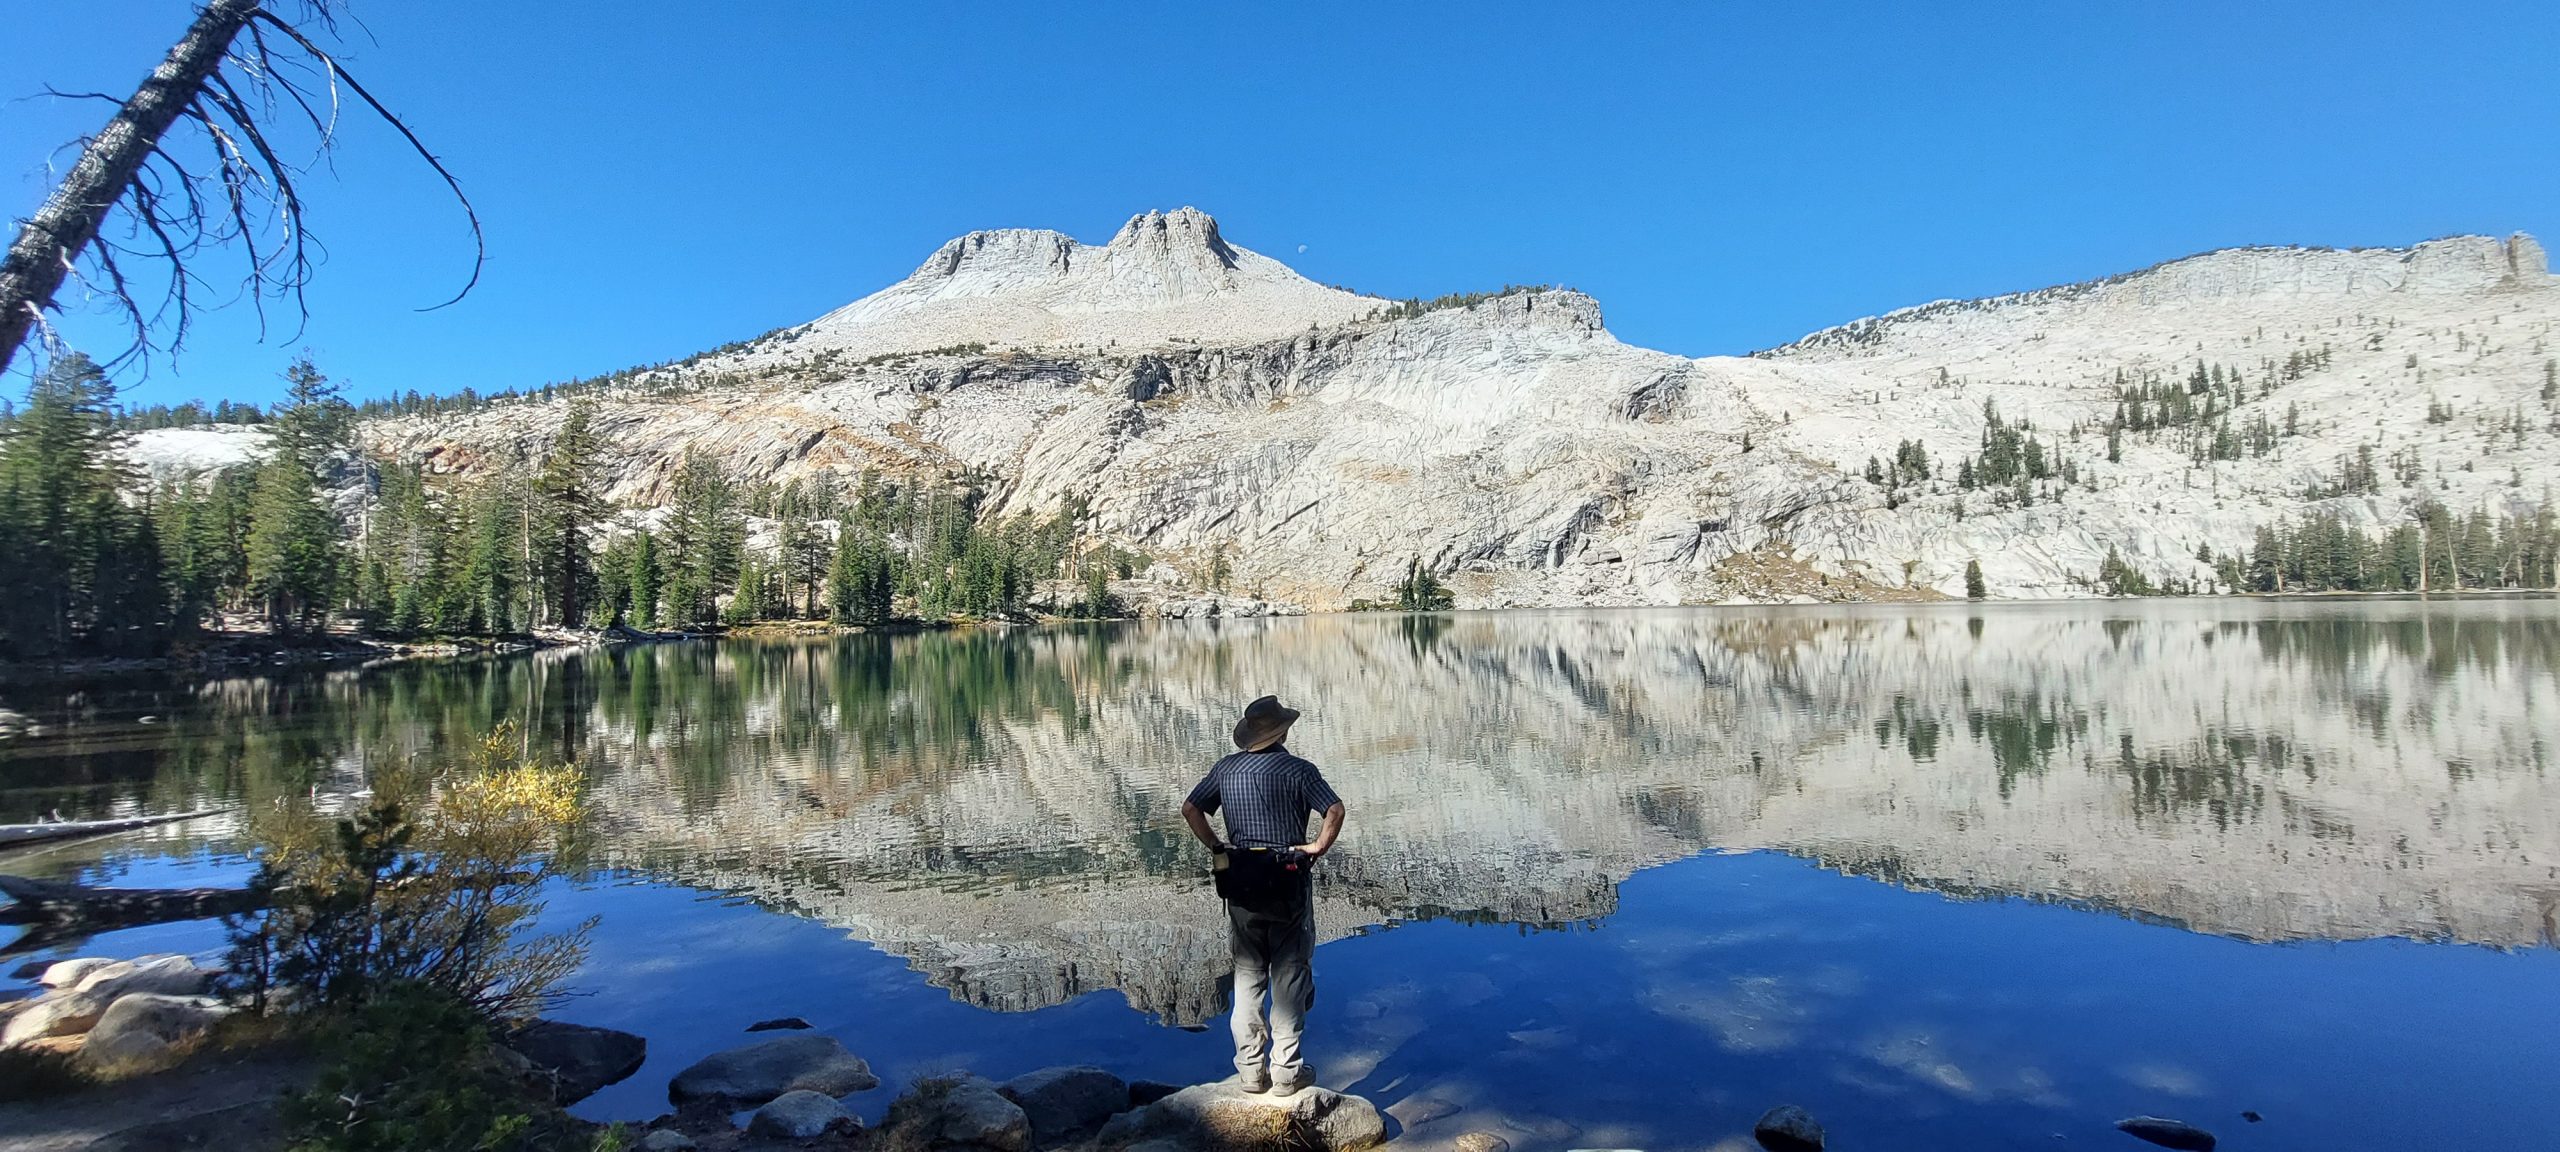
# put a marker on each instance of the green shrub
(414, 1070)
(434, 883)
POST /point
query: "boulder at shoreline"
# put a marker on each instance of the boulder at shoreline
(754, 1073)
(1223, 1117)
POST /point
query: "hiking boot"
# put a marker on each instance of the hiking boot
(1255, 1080)
(1294, 1081)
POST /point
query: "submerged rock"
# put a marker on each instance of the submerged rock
(779, 1024)
(2167, 1133)
(1063, 1103)
(578, 1060)
(800, 1115)
(1787, 1128)
(1223, 1117)
(754, 1073)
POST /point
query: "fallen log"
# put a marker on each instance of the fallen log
(12, 834)
(76, 906)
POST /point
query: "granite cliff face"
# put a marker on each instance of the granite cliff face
(1199, 395)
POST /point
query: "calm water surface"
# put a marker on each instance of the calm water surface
(1946, 876)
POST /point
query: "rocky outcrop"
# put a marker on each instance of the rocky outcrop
(83, 992)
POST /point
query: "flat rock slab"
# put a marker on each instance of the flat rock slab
(1064, 1103)
(800, 1115)
(1223, 1117)
(578, 1059)
(754, 1073)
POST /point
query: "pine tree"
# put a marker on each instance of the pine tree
(85, 570)
(294, 550)
(572, 496)
(705, 540)
(296, 566)
(489, 581)
(1422, 591)
(804, 557)
(1974, 588)
(860, 582)
(642, 580)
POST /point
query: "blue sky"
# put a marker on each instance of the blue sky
(1721, 177)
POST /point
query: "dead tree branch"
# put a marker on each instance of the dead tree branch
(240, 72)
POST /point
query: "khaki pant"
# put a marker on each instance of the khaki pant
(1274, 955)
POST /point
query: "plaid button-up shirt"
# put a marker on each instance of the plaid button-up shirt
(1266, 796)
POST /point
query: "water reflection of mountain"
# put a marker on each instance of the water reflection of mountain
(999, 807)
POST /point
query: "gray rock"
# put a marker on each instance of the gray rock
(2167, 1133)
(1223, 1117)
(755, 1073)
(153, 975)
(69, 973)
(800, 1115)
(66, 1012)
(1145, 1092)
(1483, 1142)
(666, 1140)
(148, 1030)
(971, 1111)
(1064, 1103)
(578, 1060)
(1787, 1128)
(779, 1024)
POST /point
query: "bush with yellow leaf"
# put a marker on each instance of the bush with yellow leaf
(435, 882)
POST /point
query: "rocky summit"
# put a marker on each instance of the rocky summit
(1202, 399)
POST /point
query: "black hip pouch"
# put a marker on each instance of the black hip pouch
(1267, 881)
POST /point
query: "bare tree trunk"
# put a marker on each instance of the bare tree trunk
(48, 244)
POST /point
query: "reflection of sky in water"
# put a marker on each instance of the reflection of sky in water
(966, 822)
(1722, 985)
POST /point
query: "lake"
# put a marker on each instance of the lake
(1946, 875)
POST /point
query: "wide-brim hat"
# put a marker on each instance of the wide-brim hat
(1265, 720)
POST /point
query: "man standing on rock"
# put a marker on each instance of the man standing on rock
(1266, 874)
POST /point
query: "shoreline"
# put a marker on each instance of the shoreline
(245, 651)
